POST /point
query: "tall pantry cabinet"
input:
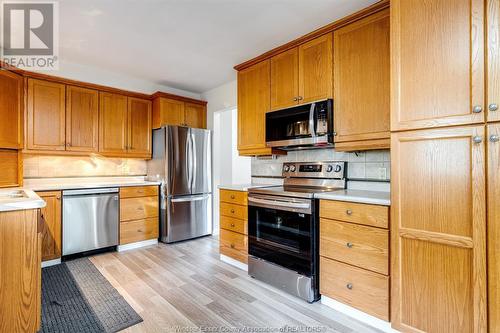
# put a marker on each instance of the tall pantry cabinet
(445, 165)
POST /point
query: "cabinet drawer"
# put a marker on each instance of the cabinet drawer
(235, 197)
(138, 230)
(354, 244)
(138, 191)
(359, 288)
(233, 224)
(235, 211)
(234, 245)
(138, 208)
(377, 216)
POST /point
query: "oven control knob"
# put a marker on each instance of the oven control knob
(286, 168)
(338, 168)
(329, 168)
(292, 168)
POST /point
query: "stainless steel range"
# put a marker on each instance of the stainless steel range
(283, 227)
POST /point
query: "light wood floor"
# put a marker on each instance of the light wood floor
(177, 288)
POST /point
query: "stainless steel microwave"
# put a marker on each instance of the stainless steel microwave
(301, 127)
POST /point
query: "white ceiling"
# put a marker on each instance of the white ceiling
(186, 44)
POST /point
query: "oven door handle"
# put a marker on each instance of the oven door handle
(311, 120)
(296, 205)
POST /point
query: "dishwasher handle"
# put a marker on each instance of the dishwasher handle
(91, 191)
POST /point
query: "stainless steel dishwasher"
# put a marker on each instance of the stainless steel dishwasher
(90, 219)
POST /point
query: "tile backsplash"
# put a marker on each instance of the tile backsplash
(366, 165)
(46, 166)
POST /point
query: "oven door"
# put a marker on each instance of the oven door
(281, 230)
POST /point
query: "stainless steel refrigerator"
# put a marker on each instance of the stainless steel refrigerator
(182, 161)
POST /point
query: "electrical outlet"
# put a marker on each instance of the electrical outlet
(382, 173)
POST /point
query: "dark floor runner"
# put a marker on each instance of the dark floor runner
(77, 298)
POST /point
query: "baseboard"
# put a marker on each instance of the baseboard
(361, 316)
(52, 262)
(233, 262)
(137, 245)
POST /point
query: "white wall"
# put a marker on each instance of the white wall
(221, 98)
(108, 78)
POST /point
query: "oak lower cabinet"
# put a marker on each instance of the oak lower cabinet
(11, 110)
(354, 255)
(253, 103)
(234, 225)
(438, 70)
(361, 84)
(176, 112)
(51, 225)
(20, 276)
(493, 226)
(438, 230)
(139, 214)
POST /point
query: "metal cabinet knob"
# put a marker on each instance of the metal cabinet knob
(232, 225)
(494, 138)
(232, 196)
(295, 99)
(232, 246)
(300, 98)
(232, 211)
(493, 107)
(477, 109)
(349, 245)
(349, 286)
(348, 212)
(477, 139)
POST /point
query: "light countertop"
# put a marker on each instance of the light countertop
(360, 196)
(56, 184)
(242, 187)
(12, 199)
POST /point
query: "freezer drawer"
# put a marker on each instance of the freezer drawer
(90, 220)
(186, 217)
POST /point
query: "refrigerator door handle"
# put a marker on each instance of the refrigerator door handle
(194, 198)
(195, 162)
(189, 160)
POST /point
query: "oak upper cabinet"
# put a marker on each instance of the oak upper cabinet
(139, 127)
(302, 74)
(82, 119)
(437, 63)
(11, 110)
(51, 230)
(493, 82)
(46, 115)
(113, 128)
(493, 195)
(167, 111)
(362, 84)
(285, 79)
(195, 115)
(253, 103)
(438, 230)
(315, 69)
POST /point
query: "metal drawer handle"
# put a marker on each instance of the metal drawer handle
(139, 230)
(296, 205)
(348, 212)
(140, 191)
(349, 286)
(349, 245)
(140, 208)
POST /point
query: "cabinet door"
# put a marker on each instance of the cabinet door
(82, 119)
(437, 63)
(493, 157)
(11, 102)
(167, 111)
(51, 230)
(112, 123)
(438, 230)
(139, 127)
(195, 115)
(493, 46)
(253, 103)
(315, 69)
(362, 82)
(284, 79)
(46, 115)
